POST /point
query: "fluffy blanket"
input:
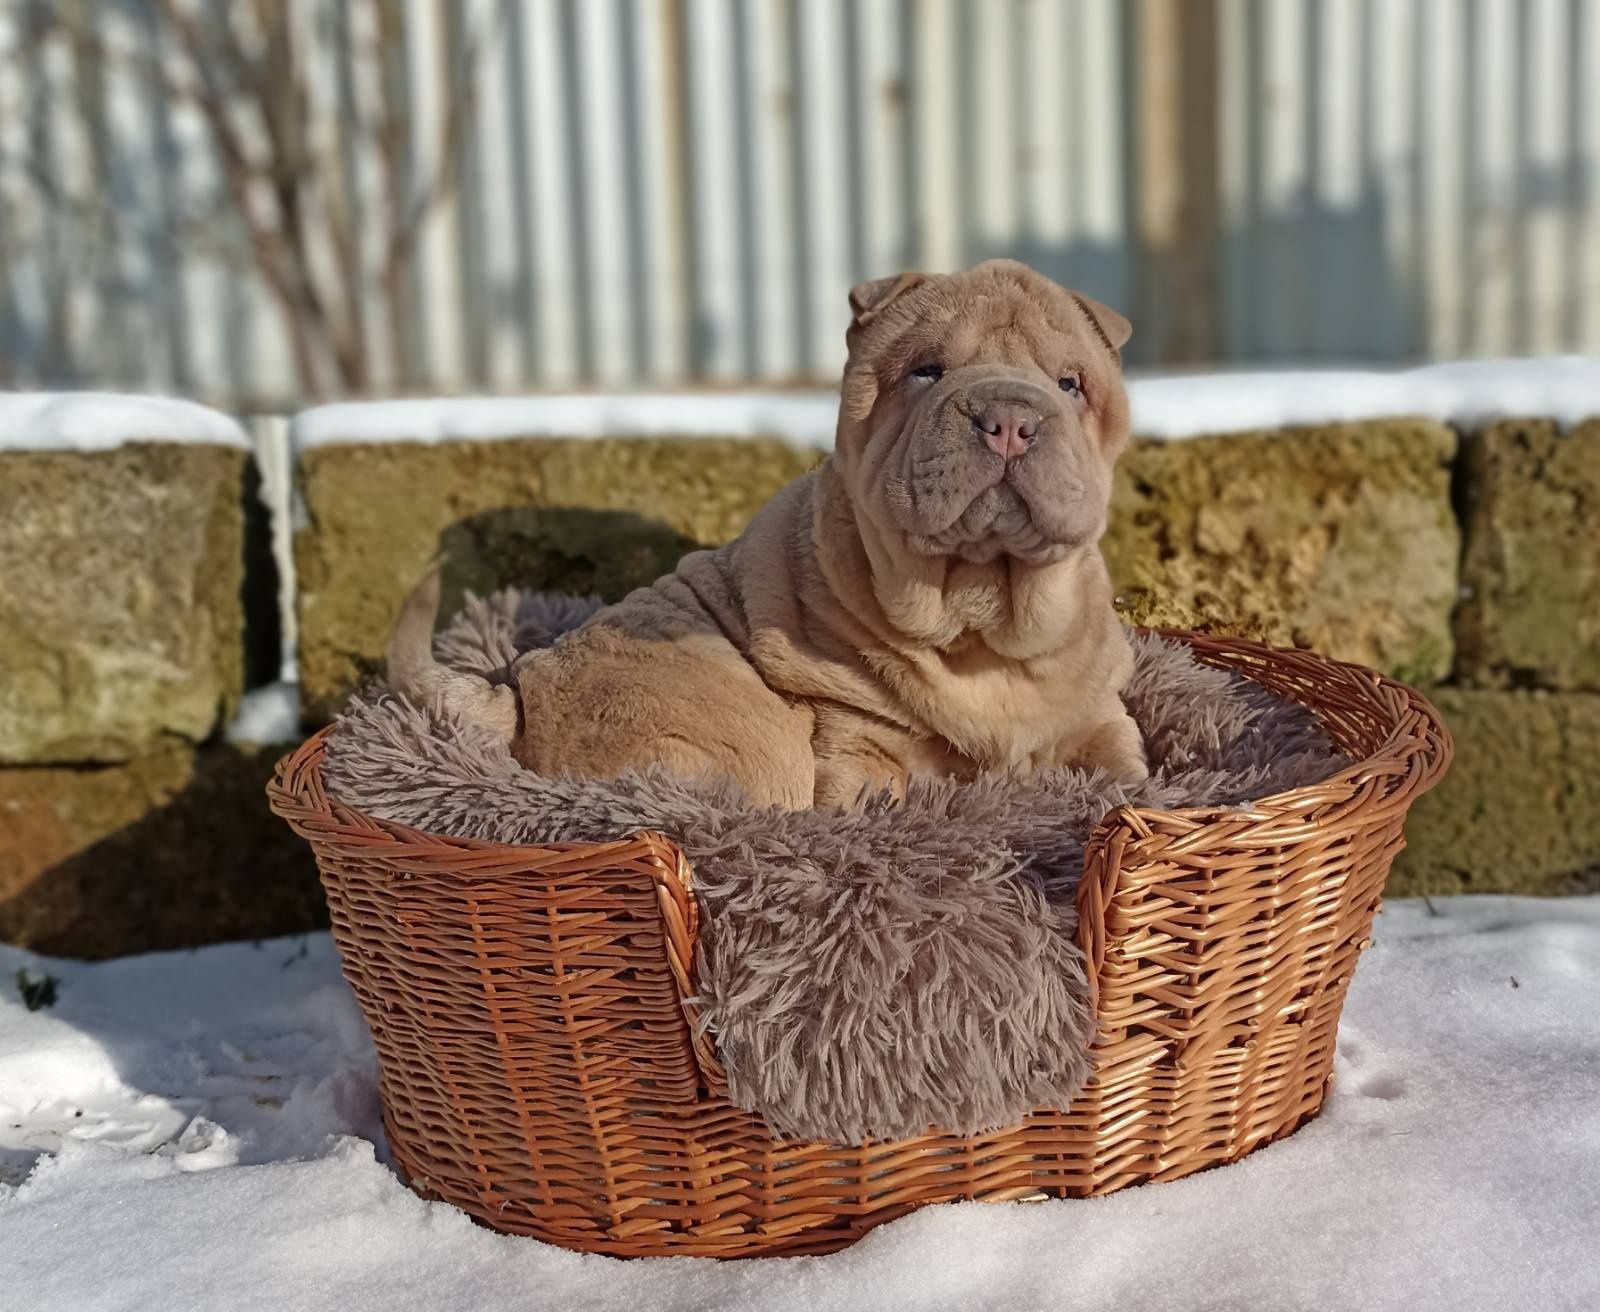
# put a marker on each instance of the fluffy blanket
(872, 972)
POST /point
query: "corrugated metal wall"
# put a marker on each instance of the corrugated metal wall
(672, 191)
(1410, 177)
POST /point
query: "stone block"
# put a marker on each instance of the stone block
(1338, 538)
(1531, 565)
(1519, 811)
(377, 513)
(171, 850)
(121, 621)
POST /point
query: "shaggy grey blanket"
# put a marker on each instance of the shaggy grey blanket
(868, 973)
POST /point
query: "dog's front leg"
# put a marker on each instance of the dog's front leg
(855, 757)
(1114, 745)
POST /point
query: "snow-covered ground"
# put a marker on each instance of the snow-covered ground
(199, 1129)
(267, 715)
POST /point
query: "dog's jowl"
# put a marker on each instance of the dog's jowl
(931, 600)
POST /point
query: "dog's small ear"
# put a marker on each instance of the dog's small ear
(1114, 330)
(869, 299)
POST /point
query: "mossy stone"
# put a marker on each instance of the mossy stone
(707, 489)
(1519, 811)
(121, 618)
(378, 512)
(602, 553)
(1531, 568)
(1338, 538)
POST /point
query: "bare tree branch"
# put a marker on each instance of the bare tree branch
(284, 202)
(267, 243)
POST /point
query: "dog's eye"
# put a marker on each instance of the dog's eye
(931, 370)
(1071, 384)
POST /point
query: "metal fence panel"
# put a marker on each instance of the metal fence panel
(669, 191)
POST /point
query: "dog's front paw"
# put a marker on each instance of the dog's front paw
(847, 781)
(1117, 747)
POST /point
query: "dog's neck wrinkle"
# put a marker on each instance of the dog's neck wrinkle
(1049, 603)
(841, 555)
(915, 602)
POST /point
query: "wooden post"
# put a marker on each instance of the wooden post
(1176, 184)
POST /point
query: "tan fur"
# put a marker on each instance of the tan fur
(921, 604)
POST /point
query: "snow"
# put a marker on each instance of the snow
(802, 418)
(268, 715)
(207, 1122)
(1465, 393)
(100, 421)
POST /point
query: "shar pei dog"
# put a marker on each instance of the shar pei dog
(931, 600)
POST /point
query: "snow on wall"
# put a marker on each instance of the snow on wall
(803, 418)
(1466, 393)
(100, 421)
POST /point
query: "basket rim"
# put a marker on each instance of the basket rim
(1419, 743)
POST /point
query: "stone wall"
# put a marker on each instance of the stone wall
(124, 824)
(1520, 811)
(1466, 563)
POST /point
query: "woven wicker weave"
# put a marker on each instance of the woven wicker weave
(540, 1069)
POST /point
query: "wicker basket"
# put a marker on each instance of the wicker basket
(541, 1070)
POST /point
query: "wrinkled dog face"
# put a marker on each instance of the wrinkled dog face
(983, 412)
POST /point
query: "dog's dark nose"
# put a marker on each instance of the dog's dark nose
(1008, 428)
